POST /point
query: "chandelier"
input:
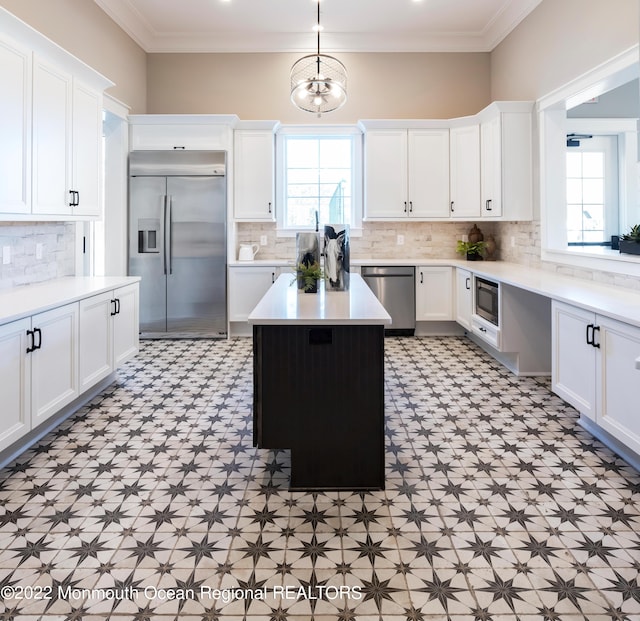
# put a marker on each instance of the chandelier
(318, 81)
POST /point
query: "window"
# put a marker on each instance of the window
(319, 177)
(592, 190)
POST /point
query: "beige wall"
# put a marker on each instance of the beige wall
(559, 41)
(85, 31)
(256, 86)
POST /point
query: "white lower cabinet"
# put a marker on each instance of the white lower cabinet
(434, 293)
(15, 382)
(247, 285)
(109, 333)
(595, 369)
(49, 359)
(464, 297)
(54, 361)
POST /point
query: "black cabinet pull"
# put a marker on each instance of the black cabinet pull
(467, 283)
(270, 208)
(39, 345)
(482, 329)
(113, 308)
(179, 148)
(595, 329)
(117, 306)
(273, 277)
(410, 206)
(589, 334)
(452, 209)
(421, 277)
(405, 206)
(72, 198)
(488, 205)
(30, 348)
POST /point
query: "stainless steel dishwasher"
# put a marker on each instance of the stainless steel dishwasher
(395, 287)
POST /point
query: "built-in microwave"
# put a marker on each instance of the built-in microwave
(487, 300)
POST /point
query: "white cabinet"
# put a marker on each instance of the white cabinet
(491, 167)
(506, 161)
(464, 297)
(406, 173)
(434, 293)
(126, 324)
(51, 128)
(595, 369)
(67, 143)
(465, 172)
(247, 285)
(15, 382)
(181, 131)
(54, 361)
(15, 128)
(108, 333)
(253, 175)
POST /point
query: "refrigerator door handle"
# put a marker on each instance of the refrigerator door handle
(169, 227)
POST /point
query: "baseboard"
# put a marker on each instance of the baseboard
(621, 450)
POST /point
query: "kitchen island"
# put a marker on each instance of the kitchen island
(318, 379)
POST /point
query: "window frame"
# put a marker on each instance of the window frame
(315, 131)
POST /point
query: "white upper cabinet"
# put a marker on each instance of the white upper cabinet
(15, 128)
(254, 174)
(506, 161)
(51, 128)
(52, 96)
(406, 173)
(465, 172)
(188, 132)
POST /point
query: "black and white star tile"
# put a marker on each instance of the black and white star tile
(152, 503)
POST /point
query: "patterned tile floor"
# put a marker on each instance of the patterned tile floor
(151, 503)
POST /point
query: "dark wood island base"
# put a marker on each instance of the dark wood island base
(319, 391)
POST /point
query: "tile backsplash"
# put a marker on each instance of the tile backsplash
(379, 240)
(58, 252)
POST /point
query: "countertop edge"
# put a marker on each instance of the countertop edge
(27, 300)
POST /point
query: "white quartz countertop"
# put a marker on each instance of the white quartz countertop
(25, 300)
(283, 304)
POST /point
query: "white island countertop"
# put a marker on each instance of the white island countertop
(283, 304)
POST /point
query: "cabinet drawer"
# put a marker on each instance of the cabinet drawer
(486, 331)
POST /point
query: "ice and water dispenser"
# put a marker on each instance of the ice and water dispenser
(148, 235)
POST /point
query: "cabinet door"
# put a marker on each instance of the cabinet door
(15, 382)
(87, 150)
(385, 175)
(189, 136)
(96, 339)
(54, 364)
(617, 374)
(51, 140)
(253, 175)
(247, 285)
(434, 293)
(428, 162)
(465, 172)
(464, 298)
(126, 327)
(491, 167)
(15, 129)
(573, 359)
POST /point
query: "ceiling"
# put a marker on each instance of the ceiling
(349, 25)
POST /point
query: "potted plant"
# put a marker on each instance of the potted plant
(472, 250)
(308, 275)
(630, 242)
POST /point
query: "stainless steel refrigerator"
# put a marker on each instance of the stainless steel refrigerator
(177, 241)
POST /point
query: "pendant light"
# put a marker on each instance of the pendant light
(318, 81)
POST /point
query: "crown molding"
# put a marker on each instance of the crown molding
(151, 41)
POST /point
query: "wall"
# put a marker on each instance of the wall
(558, 42)
(256, 86)
(58, 257)
(84, 30)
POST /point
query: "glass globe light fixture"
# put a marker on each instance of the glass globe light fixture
(318, 81)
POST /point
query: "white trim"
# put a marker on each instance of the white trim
(115, 106)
